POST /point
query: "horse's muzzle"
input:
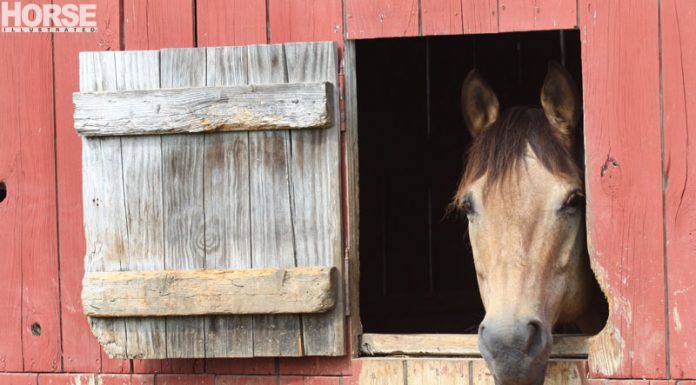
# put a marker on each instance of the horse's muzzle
(516, 350)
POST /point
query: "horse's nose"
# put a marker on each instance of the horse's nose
(521, 336)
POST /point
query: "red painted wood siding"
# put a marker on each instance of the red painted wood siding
(28, 225)
(381, 18)
(679, 90)
(81, 351)
(155, 24)
(527, 15)
(306, 20)
(231, 22)
(621, 87)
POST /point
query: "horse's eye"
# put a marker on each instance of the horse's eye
(574, 202)
(468, 207)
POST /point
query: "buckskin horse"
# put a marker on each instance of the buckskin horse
(522, 192)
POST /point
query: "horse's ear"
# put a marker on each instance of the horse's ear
(479, 103)
(559, 98)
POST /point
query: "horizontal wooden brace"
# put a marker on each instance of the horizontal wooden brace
(204, 292)
(465, 345)
(204, 109)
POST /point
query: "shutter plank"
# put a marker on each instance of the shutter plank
(271, 221)
(183, 169)
(142, 181)
(315, 189)
(104, 214)
(227, 206)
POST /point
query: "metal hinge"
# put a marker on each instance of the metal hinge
(346, 280)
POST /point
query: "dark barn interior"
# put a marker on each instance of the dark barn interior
(417, 273)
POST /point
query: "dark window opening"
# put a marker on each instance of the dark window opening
(417, 273)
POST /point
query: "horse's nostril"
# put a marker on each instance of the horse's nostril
(535, 338)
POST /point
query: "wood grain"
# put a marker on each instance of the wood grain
(316, 194)
(155, 24)
(141, 159)
(381, 18)
(81, 351)
(465, 345)
(305, 21)
(528, 15)
(441, 17)
(273, 243)
(479, 16)
(29, 289)
(230, 22)
(624, 184)
(183, 158)
(104, 214)
(440, 372)
(227, 206)
(679, 83)
(203, 292)
(203, 109)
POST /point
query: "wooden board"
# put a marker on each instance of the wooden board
(305, 20)
(478, 16)
(228, 204)
(442, 17)
(381, 18)
(203, 109)
(210, 291)
(230, 22)
(528, 15)
(183, 160)
(273, 239)
(679, 85)
(455, 345)
(142, 193)
(439, 372)
(81, 351)
(621, 93)
(155, 24)
(315, 190)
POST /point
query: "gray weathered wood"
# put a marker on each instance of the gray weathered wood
(203, 109)
(104, 214)
(142, 164)
(352, 192)
(566, 346)
(209, 291)
(315, 192)
(182, 175)
(271, 215)
(227, 207)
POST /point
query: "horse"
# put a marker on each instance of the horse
(523, 196)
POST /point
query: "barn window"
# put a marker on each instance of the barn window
(416, 270)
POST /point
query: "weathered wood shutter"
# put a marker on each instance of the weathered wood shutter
(216, 171)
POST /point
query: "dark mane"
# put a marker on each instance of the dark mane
(502, 147)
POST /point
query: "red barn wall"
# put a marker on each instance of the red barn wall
(639, 80)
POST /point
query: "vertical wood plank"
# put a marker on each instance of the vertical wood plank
(441, 17)
(272, 242)
(381, 372)
(528, 15)
(679, 92)
(305, 20)
(104, 213)
(227, 206)
(142, 171)
(230, 22)
(155, 24)
(438, 371)
(81, 351)
(34, 234)
(184, 220)
(479, 16)
(352, 160)
(381, 18)
(624, 183)
(315, 193)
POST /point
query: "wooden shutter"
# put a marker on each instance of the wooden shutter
(210, 164)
